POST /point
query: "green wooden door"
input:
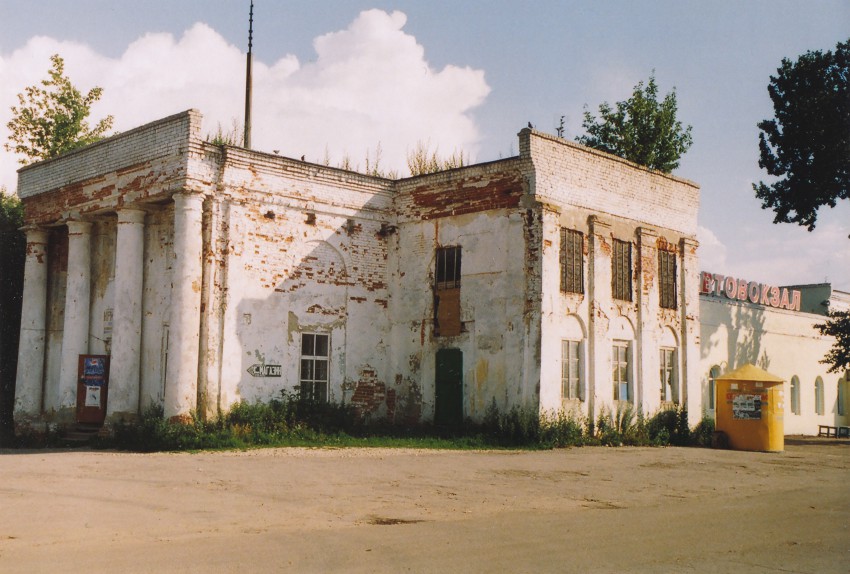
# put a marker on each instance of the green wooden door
(448, 403)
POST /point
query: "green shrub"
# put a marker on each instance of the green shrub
(669, 427)
(703, 432)
(289, 420)
(562, 430)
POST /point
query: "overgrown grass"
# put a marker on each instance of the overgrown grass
(290, 421)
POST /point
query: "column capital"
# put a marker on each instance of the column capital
(689, 242)
(33, 232)
(78, 227)
(646, 232)
(188, 198)
(596, 223)
(131, 215)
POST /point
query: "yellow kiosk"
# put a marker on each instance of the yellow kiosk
(750, 405)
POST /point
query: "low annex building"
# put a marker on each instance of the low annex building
(560, 278)
(743, 321)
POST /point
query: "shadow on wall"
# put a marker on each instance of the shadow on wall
(743, 326)
(321, 328)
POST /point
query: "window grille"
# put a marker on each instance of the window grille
(572, 261)
(621, 270)
(447, 273)
(667, 279)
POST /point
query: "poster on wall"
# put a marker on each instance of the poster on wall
(746, 407)
(92, 388)
(93, 396)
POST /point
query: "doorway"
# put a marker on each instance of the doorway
(448, 400)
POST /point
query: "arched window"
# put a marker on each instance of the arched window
(795, 395)
(819, 396)
(668, 362)
(712, 386)
(841, 410)
(572, 363)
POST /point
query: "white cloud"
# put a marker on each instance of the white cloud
(712, 252)
(784, 254)
(369, 84)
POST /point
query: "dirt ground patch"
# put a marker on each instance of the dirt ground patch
(395, 510)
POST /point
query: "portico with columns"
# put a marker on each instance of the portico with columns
(98, 314)
(111, 253)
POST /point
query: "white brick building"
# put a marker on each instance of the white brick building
(561, 278)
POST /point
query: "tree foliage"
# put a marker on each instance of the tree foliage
(837, 325)
(52, 118)
(12, 253)
(807, 145)
(640, 129)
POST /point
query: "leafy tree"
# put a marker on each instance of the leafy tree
(12, 253)
(807, 145)
(640, 129)
(51, 119)
(837, 325)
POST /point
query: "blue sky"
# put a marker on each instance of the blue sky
(333, 81)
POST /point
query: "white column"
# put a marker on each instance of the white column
(689, 306)
(125, 364)
(599, 392)
(647, 386)
(75, 334)
(181, 379)
(30, 376)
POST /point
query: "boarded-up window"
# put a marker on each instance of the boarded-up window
(315, 352)
(621, 270)
(570, 370)
(447, 292)
(572, 261)
(667, 279)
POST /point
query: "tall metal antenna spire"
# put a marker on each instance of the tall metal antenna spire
(248, 79)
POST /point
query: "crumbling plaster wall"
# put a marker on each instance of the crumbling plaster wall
(298, 248)
(478, 209)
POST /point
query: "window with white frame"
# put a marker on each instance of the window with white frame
(315, 354)
(620, 372)
(668, 372)
(570, 370)
(713, 374)
(795, 395)
(819, 406)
